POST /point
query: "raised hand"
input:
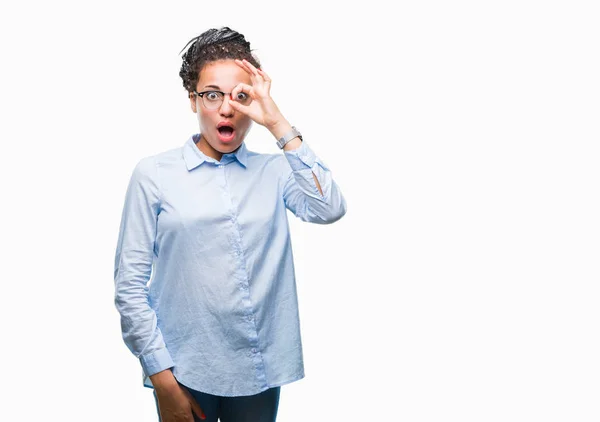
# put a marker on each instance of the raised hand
(262, 109)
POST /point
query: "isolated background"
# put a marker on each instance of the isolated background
(461, 285)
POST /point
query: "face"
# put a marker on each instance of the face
(222, 75)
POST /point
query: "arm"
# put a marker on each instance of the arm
(309, 189)
(280, 129)
(133, 266)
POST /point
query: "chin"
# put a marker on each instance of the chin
(224, 148)
(228, 147)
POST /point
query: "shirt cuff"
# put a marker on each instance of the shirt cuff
(301, 158)
(156, 362)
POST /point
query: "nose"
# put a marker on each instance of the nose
(226, 109)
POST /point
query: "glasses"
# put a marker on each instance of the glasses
(213, 99)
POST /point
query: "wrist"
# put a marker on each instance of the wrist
(293, 144)
(163, 380)
(280, 127)
(293, 137)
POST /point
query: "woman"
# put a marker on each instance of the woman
(217, 328)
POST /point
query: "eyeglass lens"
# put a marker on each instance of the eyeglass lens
(213, 99)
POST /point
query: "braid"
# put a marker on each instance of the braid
(212, 45)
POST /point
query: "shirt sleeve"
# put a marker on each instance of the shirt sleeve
(301, 194)
(133, 267)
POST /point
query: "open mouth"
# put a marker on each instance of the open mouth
(226, 132)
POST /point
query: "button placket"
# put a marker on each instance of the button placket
(238, 252)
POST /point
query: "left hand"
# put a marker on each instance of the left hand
(262, 109)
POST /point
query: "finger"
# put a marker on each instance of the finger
(195, 406)
(197, 410)
(243, 66)
(239, 107)
(248, 68)
(264, 75)
(251, 67)
(242, 87)
(256, 74)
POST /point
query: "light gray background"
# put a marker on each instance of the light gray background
(462, 285)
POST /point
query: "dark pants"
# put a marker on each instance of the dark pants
(260, 407)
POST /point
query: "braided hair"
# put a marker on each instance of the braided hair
(212, 45)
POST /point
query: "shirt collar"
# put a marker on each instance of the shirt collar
(193, 157)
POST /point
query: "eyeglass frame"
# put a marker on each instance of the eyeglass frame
(201, 95)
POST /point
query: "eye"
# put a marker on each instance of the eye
(242, 96)
(212, 95)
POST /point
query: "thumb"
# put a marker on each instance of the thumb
(239, 107)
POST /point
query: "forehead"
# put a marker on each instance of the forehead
(223, 73)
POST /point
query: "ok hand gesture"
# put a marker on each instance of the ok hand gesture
(262, 109)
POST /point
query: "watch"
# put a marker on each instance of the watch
(288, 137)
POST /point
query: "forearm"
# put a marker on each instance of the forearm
(281, 128)
(309, 190)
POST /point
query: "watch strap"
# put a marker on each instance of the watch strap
(288, 137)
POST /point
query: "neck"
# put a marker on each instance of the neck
(208, 150)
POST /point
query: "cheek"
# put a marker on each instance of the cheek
(205, 118)
(246, 123)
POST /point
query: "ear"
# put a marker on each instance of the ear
(193, 97)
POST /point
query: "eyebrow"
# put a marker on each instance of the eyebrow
(212, 86)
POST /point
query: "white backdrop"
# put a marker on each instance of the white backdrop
(462, 284)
